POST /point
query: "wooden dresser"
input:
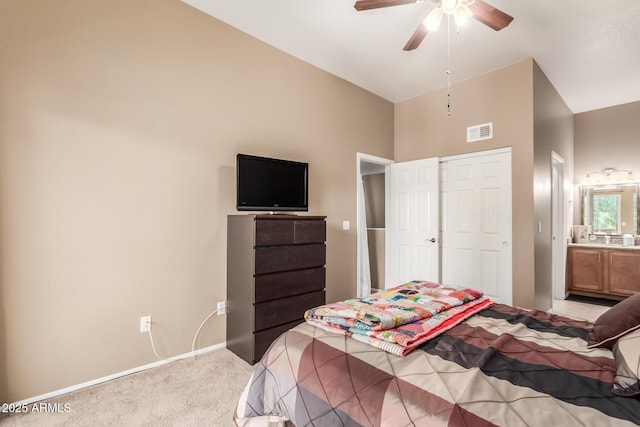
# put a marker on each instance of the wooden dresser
(275, 272)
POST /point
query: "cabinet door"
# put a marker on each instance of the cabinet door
(624, 272)
(586, 269)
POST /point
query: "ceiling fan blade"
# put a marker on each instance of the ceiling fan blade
(376, 4)
(416, 38)
(489, 15)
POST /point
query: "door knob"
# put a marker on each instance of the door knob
(432, 240)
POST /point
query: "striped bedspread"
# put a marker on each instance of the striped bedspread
(502, 367)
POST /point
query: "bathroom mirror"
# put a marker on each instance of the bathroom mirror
(611, 209)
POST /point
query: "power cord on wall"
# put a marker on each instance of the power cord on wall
(193, 343)
(153, 346)
(195, 337)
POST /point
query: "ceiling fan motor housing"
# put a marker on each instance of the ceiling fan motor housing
(450, 6)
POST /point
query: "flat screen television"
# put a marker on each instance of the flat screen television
(266, 184)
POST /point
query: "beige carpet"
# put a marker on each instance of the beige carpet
(200, 391)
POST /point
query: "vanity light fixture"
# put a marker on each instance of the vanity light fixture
(610, 176)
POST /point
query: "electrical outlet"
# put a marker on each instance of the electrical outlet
(222, 307)
(145, 323)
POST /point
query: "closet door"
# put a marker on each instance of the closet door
(476, 223)
(412, 222)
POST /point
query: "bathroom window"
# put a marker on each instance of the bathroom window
(611, 208)
(606, 213)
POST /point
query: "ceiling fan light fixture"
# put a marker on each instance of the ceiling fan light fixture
(462, 15)
(433, 19)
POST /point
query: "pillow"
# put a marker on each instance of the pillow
(626, 353)
(618, 320)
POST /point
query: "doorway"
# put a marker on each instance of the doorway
(492, 265)
(370, 223)
(558, 239)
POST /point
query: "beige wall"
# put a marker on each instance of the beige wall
(374, 196)
(553, 131)
(120, 122)
(626, 211)
(606, 138)
(504, 97)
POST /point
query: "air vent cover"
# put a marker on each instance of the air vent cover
(480, 132)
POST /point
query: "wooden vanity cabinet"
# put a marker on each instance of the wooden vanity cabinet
(586, 270)
(624, 272)
(603, 273)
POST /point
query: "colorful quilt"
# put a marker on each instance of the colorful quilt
(401, 318)
(502, 367)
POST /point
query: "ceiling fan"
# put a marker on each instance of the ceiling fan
(461, 10)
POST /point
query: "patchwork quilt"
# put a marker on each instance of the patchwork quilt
(501, 367)
(399, 319)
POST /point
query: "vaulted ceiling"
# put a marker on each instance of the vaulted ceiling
(589, 49)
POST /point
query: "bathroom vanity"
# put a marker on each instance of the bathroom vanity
(605, 261)
(604, 271)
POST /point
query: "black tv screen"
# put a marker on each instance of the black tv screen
(266, 184)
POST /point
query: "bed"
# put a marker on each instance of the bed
(502, 366)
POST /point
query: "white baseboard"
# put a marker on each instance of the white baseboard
(69, 389)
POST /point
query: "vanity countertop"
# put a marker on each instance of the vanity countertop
(604, 246)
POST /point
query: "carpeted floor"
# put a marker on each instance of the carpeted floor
(190, 392)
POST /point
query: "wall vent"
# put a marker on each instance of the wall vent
(480, 132)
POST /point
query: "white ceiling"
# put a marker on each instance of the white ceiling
(589, 49)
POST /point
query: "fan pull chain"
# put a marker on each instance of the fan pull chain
(448, 93)
(449, 65)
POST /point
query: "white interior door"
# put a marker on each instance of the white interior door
(476, 223)
(412, 222)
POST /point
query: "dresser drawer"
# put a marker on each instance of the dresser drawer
(263, 339)
(274, 232)
(285, 310)
(271, 259)
(281, 285)
(289, 231)
(310, 231)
